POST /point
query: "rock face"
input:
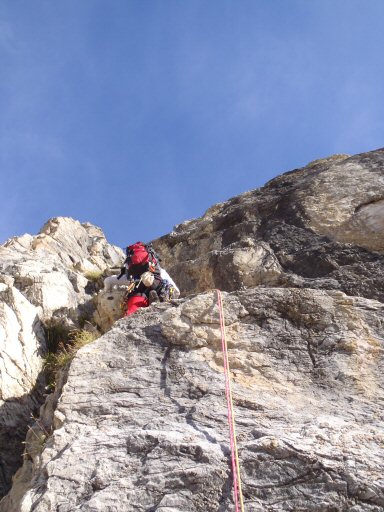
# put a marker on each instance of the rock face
(143, 414)
(43, 278)
(22, 340)
(319, 227)
(141, 423)
(22, 345)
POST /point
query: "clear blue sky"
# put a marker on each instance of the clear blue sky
(137, 115)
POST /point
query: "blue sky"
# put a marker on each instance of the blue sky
(137, 115)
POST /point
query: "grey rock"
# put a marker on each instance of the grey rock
(53, 268)
(109, 307)
(22, 344)
(142, 423)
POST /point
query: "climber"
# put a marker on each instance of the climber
(143, 272)
(111, 281)
(147, 281)
(143, 292)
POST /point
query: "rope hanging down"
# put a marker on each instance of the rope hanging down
(239, 505)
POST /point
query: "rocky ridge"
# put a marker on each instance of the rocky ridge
(140, 422)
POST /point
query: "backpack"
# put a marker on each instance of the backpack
(140, 254)
(137, 254)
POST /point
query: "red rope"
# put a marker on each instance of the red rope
(231, 415)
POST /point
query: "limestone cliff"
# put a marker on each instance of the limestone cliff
(139, 420)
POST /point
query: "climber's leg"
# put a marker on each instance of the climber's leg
(135, 302)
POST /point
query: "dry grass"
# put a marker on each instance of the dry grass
(66, 351)
(93, 275)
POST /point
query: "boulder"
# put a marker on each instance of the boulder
(109, 307)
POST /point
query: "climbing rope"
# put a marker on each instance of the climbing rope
(239, 504)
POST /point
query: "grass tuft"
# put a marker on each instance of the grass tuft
(66, 351)
(56, 335)
(93, 275)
